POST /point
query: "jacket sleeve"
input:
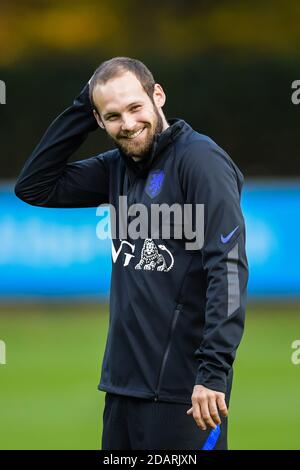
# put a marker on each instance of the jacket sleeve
(212, 179)
(48, 180)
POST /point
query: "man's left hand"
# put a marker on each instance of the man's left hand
(206, 407)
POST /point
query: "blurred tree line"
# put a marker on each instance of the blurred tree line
(226, 66)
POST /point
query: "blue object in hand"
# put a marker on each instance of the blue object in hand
(211, 441)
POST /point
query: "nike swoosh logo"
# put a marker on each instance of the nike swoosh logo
(228, 237)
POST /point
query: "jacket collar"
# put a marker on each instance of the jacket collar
(160, 143)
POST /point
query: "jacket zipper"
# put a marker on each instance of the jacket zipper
(130, 194)
(167, 350)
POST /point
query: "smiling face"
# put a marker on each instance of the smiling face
(128, 115)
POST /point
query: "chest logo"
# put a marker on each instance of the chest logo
(152, 259)
(154, 183)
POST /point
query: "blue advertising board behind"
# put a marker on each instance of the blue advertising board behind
(56, 252)
(51, 252)
(272, 214)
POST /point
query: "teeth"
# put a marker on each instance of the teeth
(132, 136)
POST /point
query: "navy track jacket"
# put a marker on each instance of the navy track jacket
(176, 315)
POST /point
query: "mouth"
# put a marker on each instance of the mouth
(134, 135)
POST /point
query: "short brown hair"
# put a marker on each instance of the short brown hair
(117, 66)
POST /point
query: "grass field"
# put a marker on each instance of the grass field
(48, 388)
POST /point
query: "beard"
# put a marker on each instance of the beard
(141, 149)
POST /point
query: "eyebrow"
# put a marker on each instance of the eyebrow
(115, 113)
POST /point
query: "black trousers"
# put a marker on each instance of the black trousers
(139, 424)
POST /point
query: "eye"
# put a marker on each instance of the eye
(136, 107)
(113, 117)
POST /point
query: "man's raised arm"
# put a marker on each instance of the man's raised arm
(48, 180)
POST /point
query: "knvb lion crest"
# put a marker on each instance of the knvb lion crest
(154, 183)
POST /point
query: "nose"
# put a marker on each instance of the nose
(128, 123)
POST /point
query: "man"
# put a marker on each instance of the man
(176, 312)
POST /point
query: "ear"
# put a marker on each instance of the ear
(159, 96)
(98, 119)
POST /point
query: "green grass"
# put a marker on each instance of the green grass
(265, 406)
(48, 388)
